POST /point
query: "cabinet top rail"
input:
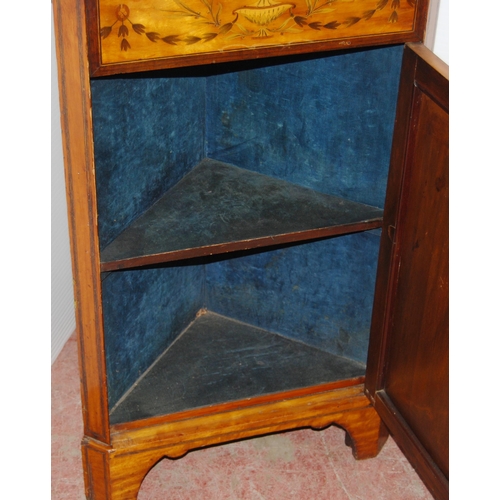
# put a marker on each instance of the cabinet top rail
(143, 35)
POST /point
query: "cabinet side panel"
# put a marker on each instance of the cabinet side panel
(69, 21)
(319, 293)
(321, 122)
(144, 312)
(149, 132)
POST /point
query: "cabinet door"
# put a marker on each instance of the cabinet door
(407, 373)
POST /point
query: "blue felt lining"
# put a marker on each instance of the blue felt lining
(325, 123)
(144, 311)
(321, 122)
(319, 293)
(148, 134)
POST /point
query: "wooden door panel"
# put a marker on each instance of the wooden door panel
(407, 372)
(417, 369)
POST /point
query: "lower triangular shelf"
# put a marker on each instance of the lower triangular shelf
(218, 360)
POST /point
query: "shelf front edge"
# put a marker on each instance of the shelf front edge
(224, 424)
(237, 405)
(250, 244)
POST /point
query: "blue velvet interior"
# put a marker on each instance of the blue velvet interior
(325, 123)
(319, 293)
(148, 134)
(144, 311)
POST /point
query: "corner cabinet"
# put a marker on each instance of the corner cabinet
(256, 247)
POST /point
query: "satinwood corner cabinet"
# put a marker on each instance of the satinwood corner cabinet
(258, 206)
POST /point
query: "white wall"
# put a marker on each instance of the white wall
(62, 304)
(63, 316)
(437, 35)
(441, 45)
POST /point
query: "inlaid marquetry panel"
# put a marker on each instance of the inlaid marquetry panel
(152, 30)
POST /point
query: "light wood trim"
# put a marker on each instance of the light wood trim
(134, 451)
(188, 433)
(236, 405)
(76, 124)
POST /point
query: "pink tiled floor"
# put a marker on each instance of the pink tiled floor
(303, 465)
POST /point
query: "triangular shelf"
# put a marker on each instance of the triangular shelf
(219, 208)
(218, 360)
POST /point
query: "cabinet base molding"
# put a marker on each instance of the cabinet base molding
(116, 471)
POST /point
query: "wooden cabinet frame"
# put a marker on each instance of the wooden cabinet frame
(117, 457)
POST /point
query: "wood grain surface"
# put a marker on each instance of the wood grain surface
(191, 32)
